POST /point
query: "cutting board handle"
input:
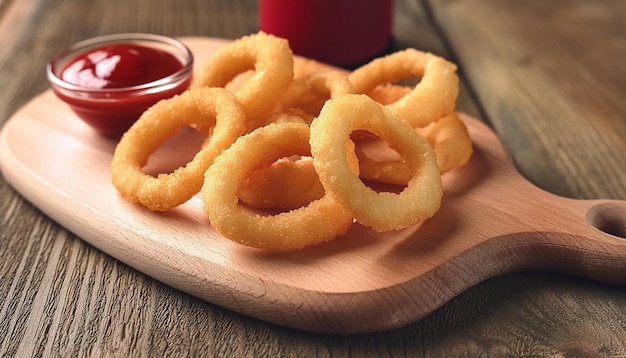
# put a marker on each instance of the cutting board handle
(531, 228)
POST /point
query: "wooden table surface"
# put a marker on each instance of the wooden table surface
(548, 76)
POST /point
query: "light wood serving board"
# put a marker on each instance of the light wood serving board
(491, 222)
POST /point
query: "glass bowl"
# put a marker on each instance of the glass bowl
(112, 110)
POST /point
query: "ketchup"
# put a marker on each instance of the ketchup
(110, 86)
(120, 65)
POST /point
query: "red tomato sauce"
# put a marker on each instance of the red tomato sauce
(120, 65)
(109, 100)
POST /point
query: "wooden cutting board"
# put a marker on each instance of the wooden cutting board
(491, 222)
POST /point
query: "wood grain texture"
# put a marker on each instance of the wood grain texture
(545, 76)
(88, 304)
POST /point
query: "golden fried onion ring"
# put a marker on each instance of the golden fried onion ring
(450, 140)
(272, 61)
(431, 99)
(385, 210)
(212, 110)
(319, 221)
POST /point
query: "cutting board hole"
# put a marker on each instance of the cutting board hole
(609, 218)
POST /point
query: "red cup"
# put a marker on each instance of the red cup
(344, 33)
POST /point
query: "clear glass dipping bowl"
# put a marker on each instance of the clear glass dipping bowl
(111, 111)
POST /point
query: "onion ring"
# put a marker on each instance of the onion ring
(431, 99)
(212, 110)
(380, 211)
(319, 221)
(450, 140)
(272, 61)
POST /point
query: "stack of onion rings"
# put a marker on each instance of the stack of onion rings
(287, 150)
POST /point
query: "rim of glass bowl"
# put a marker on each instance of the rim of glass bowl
(85, 45)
